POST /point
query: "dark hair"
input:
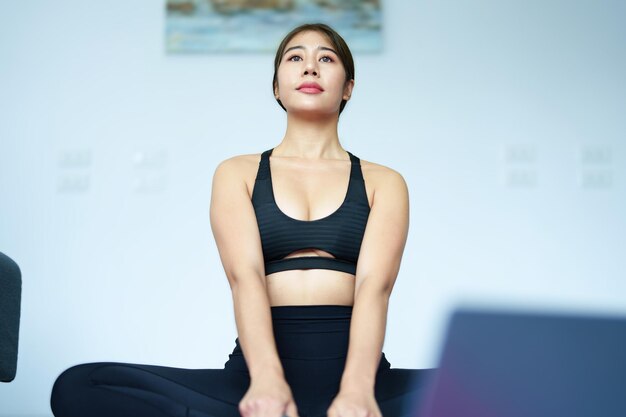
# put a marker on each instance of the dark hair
(345, 56)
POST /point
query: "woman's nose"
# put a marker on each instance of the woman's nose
(310, 68)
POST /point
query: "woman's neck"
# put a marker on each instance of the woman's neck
(311, 139)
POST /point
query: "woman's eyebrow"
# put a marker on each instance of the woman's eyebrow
(321, 48)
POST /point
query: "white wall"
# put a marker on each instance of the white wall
(112, 273)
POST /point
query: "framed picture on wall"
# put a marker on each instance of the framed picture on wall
(210, 26)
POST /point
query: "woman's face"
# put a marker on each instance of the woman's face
(309, 57)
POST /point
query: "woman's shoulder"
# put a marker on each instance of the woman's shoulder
(379, 174)
(239, 169)
(237, 163)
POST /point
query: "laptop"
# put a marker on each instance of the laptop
(527, 364)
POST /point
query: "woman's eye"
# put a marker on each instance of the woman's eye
(325, 57)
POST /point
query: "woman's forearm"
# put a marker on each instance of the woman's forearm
(367, 335)
(254, 326)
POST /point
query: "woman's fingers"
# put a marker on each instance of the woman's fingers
(268, 397)
(268, 407)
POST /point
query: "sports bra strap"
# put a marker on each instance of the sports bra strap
(264, 166)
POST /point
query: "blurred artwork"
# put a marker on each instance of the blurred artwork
(194, 26)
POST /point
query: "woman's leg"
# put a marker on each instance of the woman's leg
(312, 342)
(113, 389)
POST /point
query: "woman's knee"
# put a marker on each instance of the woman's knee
(70, 382)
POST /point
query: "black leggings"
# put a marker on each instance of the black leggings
(312, 342)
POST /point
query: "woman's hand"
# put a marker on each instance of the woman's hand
(354, 403)
(268, 396)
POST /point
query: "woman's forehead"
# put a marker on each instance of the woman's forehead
(309, 39)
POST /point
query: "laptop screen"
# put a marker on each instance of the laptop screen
(525, 364)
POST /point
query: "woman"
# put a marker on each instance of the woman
(310, 322)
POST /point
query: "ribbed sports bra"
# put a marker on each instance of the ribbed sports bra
(340, 233)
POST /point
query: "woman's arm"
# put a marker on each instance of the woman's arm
(379, 262)
(236, 233)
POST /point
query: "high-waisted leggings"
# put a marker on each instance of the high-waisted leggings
(312, 342)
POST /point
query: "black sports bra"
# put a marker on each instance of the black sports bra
(340, 233)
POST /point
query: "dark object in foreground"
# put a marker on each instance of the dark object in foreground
(520, 364)
(10, 300)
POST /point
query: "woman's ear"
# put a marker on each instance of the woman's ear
(276, 95)
(347, 90)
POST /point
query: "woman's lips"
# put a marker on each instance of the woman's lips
(310, 90)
